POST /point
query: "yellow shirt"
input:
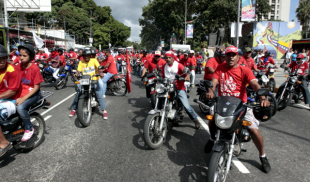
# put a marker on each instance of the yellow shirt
(89, 68)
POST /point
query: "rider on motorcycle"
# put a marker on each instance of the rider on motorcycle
(265, 60)
(30, 94)
(10, 82)
(62, 57)
(191, 56)
(111, 66)
(72, 55)
(56, 61)
(170, 69)
(303, 72)
(90, 67)
(80, 56)
(212, 64)
(247, 60)
(232, 79)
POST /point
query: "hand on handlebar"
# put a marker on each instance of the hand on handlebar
(188, 77)
(210, 95)
(265, 103)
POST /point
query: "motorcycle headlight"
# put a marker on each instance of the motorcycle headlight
(151, 81)
(265, 78)
(294, 79)
(224, 122)
(160, 88)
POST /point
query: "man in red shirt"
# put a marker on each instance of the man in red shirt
(265, 60)
(247, 60)
(302, 68)
(111, 66)
(72, 55)
(170, 69)
(44, 56)
(212, 64)
(190, 63)
(232, 79)
(180, 55)
(118, 59)
(10, 83)
(80, 56)
(14, 55)
(62, 57)
(38, 55)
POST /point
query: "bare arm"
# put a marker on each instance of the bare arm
(255, 86)
(33, 91)
(7, 94)
(210, 94)
(210, 70)
(143, 72)
(107, 65)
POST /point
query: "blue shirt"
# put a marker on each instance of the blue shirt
(294, 56)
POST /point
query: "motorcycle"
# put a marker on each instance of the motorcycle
(269, 82)
(201, 91)
(150, 81)
(68, 69)
(47, 72)
(13, 128)
(166, 114)
(231, 131)
(199, 66)
(291, 90)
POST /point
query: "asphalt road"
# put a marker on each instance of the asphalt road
(114, 149)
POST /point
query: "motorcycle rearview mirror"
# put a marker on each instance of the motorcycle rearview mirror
(177, 76)
(208, 84)
(185, 70)
(101, 67)
(263, 92)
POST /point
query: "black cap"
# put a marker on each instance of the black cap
(29, 48)
(3, 52)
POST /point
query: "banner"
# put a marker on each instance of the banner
(37, 40)
(190, 31)
(233, 29)
(162, 43)
(128, 71)
(248, 10)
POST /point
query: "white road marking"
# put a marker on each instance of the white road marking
(58, 104)
(302, 106)
(46, 118)
(240, 166)
(236, 162)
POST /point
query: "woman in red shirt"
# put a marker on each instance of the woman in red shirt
(31, 78)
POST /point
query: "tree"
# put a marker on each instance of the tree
(303, 12)
(262, 9)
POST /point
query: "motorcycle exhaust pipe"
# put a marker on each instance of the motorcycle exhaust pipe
(201, 103)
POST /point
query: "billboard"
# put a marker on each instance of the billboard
(29, 5)
(275, 36)
(248, 10)
(190, 31)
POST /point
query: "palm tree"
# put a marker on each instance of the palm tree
(303, 12)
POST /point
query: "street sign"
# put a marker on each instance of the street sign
(90, 40)
(99, 46)
(109, 45)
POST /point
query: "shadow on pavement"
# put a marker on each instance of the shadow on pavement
(8, 157)
(254, 163)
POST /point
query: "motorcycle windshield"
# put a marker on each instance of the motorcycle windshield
(227, 106)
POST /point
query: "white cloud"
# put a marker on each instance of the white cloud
(135, 30)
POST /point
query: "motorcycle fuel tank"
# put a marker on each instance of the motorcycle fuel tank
(227, 106)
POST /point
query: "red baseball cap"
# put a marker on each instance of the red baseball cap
(169, 53)
(300, 56)
(232, 49)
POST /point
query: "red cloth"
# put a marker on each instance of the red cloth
(262, 60)
(37, 56)
(17, 60)
(112, 66)
(13, 57)
(72, 54)
(180, 84)
(29, 78)
(187, 62)
(128, 66)
(198, 57)
(63, 60)
(212, 63)
(151, 65)
(145, 58)
(301, 71)
(233, 81)
(80, 58)
(128, 76)
(54, 54)
(44, 55)
(249, 63)
(10, 80)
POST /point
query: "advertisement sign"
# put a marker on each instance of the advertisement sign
(190, 31)
(90, 40)
(248, 10)
(162, 43)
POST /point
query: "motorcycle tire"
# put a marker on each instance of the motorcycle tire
(37, 137)
(85, 120)
(203, 99)
(158, 140)
(62, 85)
(153, 99)
(124, 90)
(218, 161)
(283, 104)
(298, 98)
(271, 85)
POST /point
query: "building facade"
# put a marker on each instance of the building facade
(279, 10)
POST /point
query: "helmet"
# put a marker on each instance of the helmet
(3, 52)
(245, 135)
(192, 52)
(100, 57)
(144, 51)
(185, 52)
(54, 49)
(29, 48)
(263, 114)
(222, 53)
(232, 49)
(267, 53)
(93, 51)
(87, 52)
(71, 49)
(197, 52)
(300, 56)
(260, 50)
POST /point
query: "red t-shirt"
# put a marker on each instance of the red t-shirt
(151, 65)
(63, 60)
(44, 55)
(212, 63)
(17, 60)
(145, 58)
(301, 71)
(13, 56)
(29, 78)
(170, 72)
(10, 80)
(80, 58)
(262, 60)
(72, 55)
(37, 56)
(112, 67)
(198, 57)
(187, 62)
(118, 57)
(248, 63)
(232, 81)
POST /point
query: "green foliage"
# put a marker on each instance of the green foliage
(303, 12)
(262, 9)
(76, 15)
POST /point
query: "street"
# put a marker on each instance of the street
(114, 149)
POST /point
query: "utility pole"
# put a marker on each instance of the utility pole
(6, 26)
(185, 22)
(238, 18)
(90, 24)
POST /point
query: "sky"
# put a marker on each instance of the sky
(127, 12)
(293, 7)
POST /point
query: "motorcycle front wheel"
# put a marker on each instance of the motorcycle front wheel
(60, 83)
(153, 136)
(119, 88)
(217, 166)
(203, 99)
(287, 99)
(153, 99)
(271, 85)
(84, 114)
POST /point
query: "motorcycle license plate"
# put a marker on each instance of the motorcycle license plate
(271, 70)
(41, 66)
(84, 81)
(124, 63)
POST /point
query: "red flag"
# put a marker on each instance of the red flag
(128, 71)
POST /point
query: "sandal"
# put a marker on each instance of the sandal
(7, 148)
(197, 125)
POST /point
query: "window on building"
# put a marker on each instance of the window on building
(272, 17)
(273, 1)
(266, 17)
(273, 6)
(278, 6)
(277, 12)
(278, 18)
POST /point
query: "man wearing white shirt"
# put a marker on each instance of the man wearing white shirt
(288, 56)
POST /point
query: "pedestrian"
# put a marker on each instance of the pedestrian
(288, 56)
(294, 56)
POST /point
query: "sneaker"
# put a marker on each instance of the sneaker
(7, 148)
(209, 146)
(103, 96)
(73, 113)
(105, 115)
(149, 100)
(193, 85)
(265, 164)
(27, 135)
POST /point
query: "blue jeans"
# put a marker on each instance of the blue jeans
(189, 110)
(23, 109)
(76, 98)
(105, 79)
(117, 66)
